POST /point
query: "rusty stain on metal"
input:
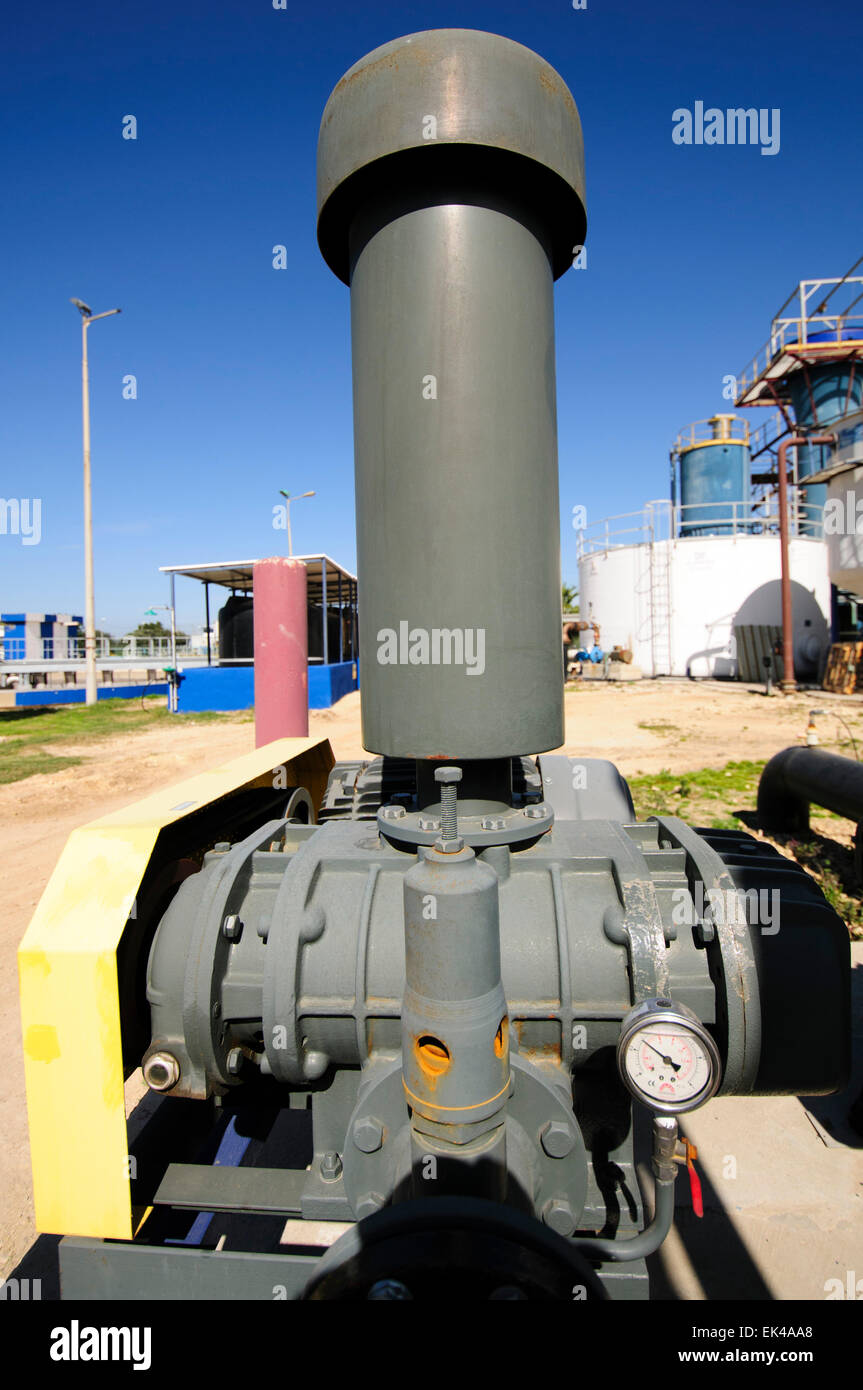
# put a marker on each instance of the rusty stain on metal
(433, 1057)
(543, 1052)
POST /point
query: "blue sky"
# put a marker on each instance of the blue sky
(243, 371)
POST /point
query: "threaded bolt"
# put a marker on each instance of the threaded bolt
(331, 1166)
(448, 779)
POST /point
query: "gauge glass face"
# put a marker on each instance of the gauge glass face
(667, 1063)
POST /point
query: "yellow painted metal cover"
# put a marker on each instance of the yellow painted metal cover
(70, 1002)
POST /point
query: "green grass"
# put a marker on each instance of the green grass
(32, 738)
(833, 867)
(697, 796)
(725, 799)
(658, 727)
(14, 767)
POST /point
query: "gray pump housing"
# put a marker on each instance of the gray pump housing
(285, 956)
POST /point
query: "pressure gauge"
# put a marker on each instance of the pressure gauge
(666, 1057)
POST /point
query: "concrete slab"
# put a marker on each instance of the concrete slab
(783, 1203)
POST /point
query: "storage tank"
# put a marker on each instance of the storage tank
(822, 394)
(713, 458)
(675, 603)
(236, 636)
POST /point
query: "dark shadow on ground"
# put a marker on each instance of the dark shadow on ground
(41, 1267)
(9, 716)
(718, 1255)
(839, 1118)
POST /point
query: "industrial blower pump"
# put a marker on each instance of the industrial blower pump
(402, 1018)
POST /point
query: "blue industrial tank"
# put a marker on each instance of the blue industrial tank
(714, 478)
(821, 394)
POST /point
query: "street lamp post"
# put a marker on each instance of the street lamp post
(88, 317)
(288, 501)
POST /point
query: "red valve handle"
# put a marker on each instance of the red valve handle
(694, 1179)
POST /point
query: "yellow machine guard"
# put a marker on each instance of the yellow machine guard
(70, 1002)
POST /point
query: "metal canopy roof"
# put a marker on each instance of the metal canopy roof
(238, 574)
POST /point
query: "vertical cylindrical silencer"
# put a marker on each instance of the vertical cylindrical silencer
(450, 195)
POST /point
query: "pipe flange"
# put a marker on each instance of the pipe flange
(507, 826)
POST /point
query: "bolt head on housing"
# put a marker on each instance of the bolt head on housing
(558, 1214)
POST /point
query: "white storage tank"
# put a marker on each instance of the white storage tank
(674, 603)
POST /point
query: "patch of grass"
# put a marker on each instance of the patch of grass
(107, 719)
(658, 727)
(27, 733)
(832, 866)
(14, 767)
(694, 795)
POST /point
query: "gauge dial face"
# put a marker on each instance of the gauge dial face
(668, 1065)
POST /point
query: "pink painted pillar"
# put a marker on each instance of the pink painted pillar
(281, 650)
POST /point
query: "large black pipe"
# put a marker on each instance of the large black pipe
(797, 776)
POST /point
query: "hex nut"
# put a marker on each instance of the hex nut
(331, 1166)
(558, 1214)
(449, 846)
(234, 1061)
(368, 1134)
(368, 1204)
(232, 927)
(161, 1071)
(557, 1139)
(536, 812)
(392, 812)
(447, 775)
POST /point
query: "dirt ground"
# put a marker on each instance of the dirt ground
(699, 725)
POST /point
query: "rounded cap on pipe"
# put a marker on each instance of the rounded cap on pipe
(472, 106)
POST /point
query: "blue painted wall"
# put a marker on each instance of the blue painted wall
(77, 697)
(233, 687)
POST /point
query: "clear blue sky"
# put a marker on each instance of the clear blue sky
(243, 371)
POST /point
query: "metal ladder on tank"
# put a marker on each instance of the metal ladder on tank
(660, 594)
